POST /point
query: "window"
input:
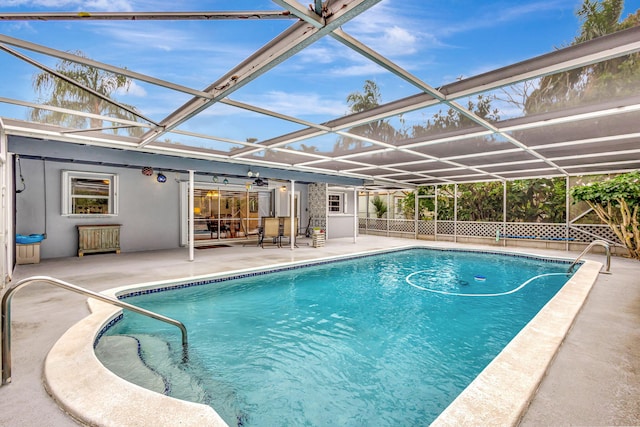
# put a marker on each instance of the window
(336, 203)
(87, 193)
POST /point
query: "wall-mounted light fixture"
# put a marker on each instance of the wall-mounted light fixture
(161, 178)
(283, 188)
(225, 181)
(251, 173)
(215, 178)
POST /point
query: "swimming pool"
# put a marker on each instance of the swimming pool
(328, 345)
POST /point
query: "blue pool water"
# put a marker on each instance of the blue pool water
(385, 340)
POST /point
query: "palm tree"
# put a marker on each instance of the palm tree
(61, 93)
(379, 206)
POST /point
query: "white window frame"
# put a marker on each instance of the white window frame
(67, 197)
(342, 203)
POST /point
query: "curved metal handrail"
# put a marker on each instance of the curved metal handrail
(588, 248)
(6, 315)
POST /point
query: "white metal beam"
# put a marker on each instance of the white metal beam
(75, 83)
(100, 65)
(144, 16)
(72, 112)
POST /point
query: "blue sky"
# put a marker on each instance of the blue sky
(438, 41)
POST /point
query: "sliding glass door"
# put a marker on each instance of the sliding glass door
(227, 212)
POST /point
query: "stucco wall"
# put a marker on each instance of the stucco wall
(148, 210)
(342, 224)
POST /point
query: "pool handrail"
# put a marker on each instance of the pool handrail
(6, 315)
(602, 243)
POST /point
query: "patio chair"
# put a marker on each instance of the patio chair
(212, 226)
(270, 230)
(286, 230)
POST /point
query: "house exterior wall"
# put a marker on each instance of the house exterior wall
(336, 224)
(148, 210)
(342, 224)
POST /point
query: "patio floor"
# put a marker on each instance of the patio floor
(594, 379)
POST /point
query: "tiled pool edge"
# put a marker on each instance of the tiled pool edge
(151, 288)
(502, 392)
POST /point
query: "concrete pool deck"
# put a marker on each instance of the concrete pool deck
(593, 380)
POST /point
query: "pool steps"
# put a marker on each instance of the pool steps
(146, 361)
(120, 355)
(159, 356)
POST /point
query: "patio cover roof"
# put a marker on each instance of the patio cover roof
(601, 136)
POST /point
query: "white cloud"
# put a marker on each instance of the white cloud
(134, 90)
(317, 54)
(92, 5)
(291, 104)
(166, 40)
(498, 16)
(391, 31)
(109, 5)
(400, 38)
(364, 69)
(21, 26)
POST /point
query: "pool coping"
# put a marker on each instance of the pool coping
(498, 396)
(502, 392)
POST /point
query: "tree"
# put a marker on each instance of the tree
(426, 206)
(480, 201)
(617, 203)
(379, 130)
(536, 200)
(60, 93)
(454, 120)
(603, 80)
(367, 100)
(445, 196)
